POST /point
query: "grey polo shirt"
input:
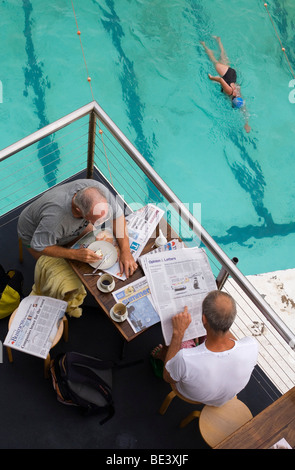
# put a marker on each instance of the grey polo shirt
(49, 221)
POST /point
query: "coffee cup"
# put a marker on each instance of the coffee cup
(120, 311)
(106, 282)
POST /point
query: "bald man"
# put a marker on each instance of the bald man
(218, 369)
(65, 213)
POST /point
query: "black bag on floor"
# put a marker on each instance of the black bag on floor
(85, 381)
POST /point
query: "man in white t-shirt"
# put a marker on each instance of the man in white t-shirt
(219, 368)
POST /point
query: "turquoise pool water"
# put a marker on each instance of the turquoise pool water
(150, 74)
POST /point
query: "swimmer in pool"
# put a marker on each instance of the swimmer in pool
(227, 77)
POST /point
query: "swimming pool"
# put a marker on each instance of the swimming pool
(149, 73)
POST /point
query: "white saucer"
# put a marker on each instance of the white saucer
(106, 248)
(115, 318)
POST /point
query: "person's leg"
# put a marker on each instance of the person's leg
(221, 69)
(209, 53)
(223, 57)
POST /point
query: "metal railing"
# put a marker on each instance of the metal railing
(95, 112)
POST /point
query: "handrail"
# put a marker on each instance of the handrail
(171, 197)
(46, 131)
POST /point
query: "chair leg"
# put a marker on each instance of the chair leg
(20, 250)
(167, 402)
(46, 366)
(66, 329)
(189, 418)
(9, 354)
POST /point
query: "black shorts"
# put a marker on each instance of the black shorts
(230, 76)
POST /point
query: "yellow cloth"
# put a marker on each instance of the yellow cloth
(55, 278)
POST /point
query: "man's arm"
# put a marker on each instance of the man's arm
(81, 254)
(180, 323)
(127, 262)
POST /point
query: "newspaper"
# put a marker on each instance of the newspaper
(141, 225)
(178, 279)
(35, 325)
(141, 310)
(169, 246)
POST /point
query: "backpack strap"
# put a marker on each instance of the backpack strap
(73, 357)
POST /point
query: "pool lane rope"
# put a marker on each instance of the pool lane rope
(282, 47)
(89, 81)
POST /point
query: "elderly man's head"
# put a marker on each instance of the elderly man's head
(219, 310)
(92, 204)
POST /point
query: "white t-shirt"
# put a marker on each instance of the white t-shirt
(213, 378)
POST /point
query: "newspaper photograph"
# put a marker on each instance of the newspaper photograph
(141, 225)
(35, 325)
(137, 297)
(178, 279)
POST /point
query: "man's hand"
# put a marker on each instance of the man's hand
(81, 254)
(127, 263)
(86, 255)
(180, 322)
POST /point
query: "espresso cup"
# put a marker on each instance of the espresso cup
(106, 282)
(120, 311)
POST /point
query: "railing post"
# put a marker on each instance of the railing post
(91, 144)
(223, 275)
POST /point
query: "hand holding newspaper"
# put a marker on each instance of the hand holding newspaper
(178, 279)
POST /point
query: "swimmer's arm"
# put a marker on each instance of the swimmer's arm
(246, 117)
(226, 88)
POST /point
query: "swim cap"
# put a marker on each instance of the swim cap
(238, 102)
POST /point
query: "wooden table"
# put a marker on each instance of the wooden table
(106, 301)
(277, 421)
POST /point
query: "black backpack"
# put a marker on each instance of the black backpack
(85, 381)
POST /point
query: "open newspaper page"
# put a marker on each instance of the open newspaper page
(141, 225)
(141, 310)
(35, 325)
(178, 279)
(169, 246)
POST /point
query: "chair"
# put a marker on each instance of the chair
(215, 423)
(174, 393)
(62, 331)
(20, 251)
